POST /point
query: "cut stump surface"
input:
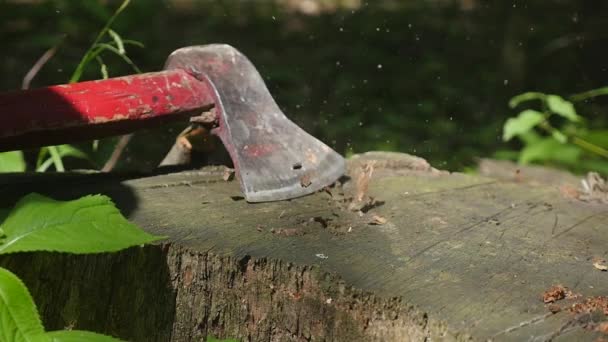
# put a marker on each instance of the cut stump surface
(422, 254)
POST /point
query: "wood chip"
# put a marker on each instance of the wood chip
(228, 174)
(555, 293)
(378, 220)
(600, 264)
(362, 180)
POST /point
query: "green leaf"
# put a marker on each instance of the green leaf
(19, 319)
(91, 224)
(118, 40)
(559, 136)
(103, 68)
(78, 336)
(60, 152)
(105, 46)
(12, 161)
(521, 124)
(515, 101)
(550, 149)
(563, 108)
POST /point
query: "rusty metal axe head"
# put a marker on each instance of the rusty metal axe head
(274, 158)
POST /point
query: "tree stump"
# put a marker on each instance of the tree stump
(396, 251)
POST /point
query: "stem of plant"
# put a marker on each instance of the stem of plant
(584, 144)
(85, 59)
(589, 146)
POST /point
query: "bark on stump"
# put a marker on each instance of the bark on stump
(424, 255)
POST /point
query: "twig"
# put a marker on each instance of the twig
(118, 150)
(27, 79)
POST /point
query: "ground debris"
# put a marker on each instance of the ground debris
(590, 313)
(595, 188)
(600, 264)
(228, 174)
(362, 179)
(378, 220)
(287, 232)
(591, 304)
(555, 293)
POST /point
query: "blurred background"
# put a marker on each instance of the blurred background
(427, 77)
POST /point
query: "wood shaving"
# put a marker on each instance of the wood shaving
(378, 220)
(362, 180)
(595, 188)
(591, 304)
(600, 264)
(228, 174)
(555, 293)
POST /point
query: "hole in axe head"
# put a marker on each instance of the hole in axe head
(296, 166)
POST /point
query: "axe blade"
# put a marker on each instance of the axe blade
(274, 158)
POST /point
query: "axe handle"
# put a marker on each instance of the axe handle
(95, 109)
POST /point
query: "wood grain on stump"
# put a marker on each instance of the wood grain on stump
(412, 253)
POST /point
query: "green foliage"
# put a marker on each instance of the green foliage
(521, 124)
(19, 319)
(116, 45)
(77, 336)
(54, 155)
(91, 224)
(12, 162)
(57, 153)
(556, 134)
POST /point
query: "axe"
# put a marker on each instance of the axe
(274, 159)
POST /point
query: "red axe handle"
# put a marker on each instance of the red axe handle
(95, 109)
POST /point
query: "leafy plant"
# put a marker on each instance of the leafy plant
(53, 155)
(554, 133)
(20, 320)
(91, 224)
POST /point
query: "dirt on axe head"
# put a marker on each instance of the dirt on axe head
(273, 157)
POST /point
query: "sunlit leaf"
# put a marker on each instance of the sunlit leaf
(559, 136)
(550, 149)
(91, 224)
(515, 101)
(118, 40)
(19, 320)
(12, 161)
(104, 46)
(562, 107)
(521, 124)
(78, 336)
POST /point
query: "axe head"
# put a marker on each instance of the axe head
(274, 159)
